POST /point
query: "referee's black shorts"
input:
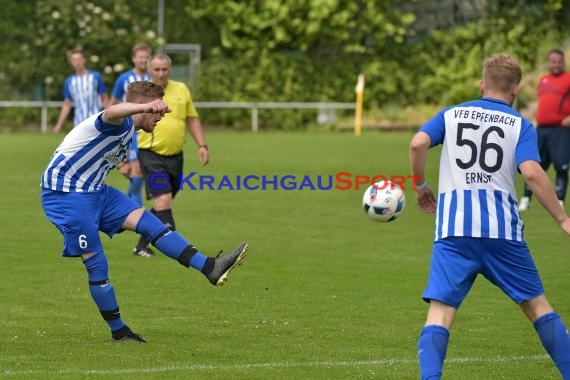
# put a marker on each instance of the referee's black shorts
(554, 146)
(161, 174)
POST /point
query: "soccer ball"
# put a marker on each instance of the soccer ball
(384, 201)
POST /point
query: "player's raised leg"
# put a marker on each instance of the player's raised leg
(173, 245)
(551, 330)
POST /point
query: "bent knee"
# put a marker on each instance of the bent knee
(133, 219)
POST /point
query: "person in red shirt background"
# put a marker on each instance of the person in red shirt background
(553, 125)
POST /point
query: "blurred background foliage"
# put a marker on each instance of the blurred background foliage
(413, 53)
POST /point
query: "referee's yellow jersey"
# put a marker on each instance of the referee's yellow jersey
(168, 136)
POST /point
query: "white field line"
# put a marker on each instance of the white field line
(274, 365)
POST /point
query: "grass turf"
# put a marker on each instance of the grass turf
(324, 292)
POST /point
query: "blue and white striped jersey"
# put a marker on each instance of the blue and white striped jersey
(85, 92)
(87, 154)
(126, 78)
(484, 142)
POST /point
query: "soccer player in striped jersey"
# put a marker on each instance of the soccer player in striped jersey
(140, 55)
(478, 228)
(131, 167)
(77, 201)
(86, 89)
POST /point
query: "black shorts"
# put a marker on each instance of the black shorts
(554, 147)
(161, 174)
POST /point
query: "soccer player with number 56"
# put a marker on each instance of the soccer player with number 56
(478, 227)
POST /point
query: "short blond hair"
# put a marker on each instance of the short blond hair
(76, 50)
(141, 46)
(501, 72)
(141, 90)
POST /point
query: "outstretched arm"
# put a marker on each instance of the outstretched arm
(116, 114)
(419, 148)
(541, 187)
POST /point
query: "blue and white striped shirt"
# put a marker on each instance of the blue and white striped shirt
(484, 142)
(85, 92)
(126, 78)
(87, 154)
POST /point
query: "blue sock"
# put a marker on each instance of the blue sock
(135, 190)
(432, 348)
(102, 291)
(171, 243)
(554, 337)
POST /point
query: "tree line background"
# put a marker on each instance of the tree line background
(412, 52)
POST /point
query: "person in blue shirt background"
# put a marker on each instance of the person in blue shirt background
(131, 168)
(86, 89)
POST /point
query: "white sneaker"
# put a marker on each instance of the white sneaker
(524, 204)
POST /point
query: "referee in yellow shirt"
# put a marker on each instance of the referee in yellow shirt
(162, 150)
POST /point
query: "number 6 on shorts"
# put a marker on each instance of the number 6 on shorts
(82, 241)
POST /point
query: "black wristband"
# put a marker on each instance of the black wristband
(203, 146)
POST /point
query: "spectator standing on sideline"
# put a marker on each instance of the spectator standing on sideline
(131, 168)
(553, 125)
(478, 229)
(86, 89)
(162, 149)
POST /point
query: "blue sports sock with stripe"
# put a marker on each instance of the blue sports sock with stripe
(554, 337)
(102, 291)
(432, 348)
(172, 244)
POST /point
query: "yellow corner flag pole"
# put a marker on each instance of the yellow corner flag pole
(359, 98)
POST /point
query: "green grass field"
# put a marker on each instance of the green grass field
(325, 293)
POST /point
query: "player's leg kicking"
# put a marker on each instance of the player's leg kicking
(120, 213)
(80, 217)
(173, 245)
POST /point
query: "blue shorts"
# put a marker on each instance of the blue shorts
(80, 216)
(133, 152)
(456, 262)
